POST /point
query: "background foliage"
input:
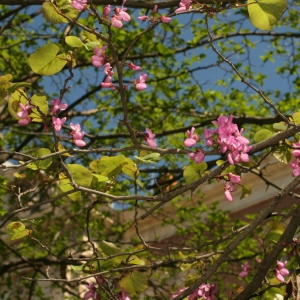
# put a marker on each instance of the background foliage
(206, 62)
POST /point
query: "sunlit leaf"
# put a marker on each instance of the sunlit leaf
(246, 191)
(194, 172)
(134, 283)
(264, 14)
(262, 135)
(283, 153)
(81, 175)
(46, 61)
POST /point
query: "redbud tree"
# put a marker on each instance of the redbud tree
(115, 115)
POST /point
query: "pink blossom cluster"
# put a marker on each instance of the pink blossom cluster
(24, 114)
(205, 291)
(76, 133)
(92, 291)
(57, 106)
(184, 5)
(79, 4)
(296, 164)
(99, 59)
(162, 19)
(281, 271)
(227, 138)
(246, 269)
(230, 185)
(119, 16)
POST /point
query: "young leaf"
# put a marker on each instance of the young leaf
(110, 166)
(41, 102)
(150, 158)
(81, 175)
(262, 135)
(283, 153)
(134, 283)
(246, 191)
(264, 14)
(74, 41)
(45, 60)
(194, 172)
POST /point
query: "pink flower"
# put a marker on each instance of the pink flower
(246, 269)
(192, 138)
(143, 18)
(184, 5)
(122, 295)
(295, 165)
(165, 19)
(107, 83)
(120, 15)
(24, 114)
(58, 106)
(155, 8)
(235, 179)
(296, 152)
(79, 4)
(208, 134)
(134, 67)
(57, 123)
(106, 11)
(228, 189)
(77, 135)
(92, 292)
(197, 156)
(140, 83)
(150, 138)
(98, 59)
(108, 69)
(179, 292)
(206, 291)
(281, 271)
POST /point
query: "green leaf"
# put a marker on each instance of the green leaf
(194, 172)
(262, 135)
(17, 230)
(65, 186)
(129, 168)
(45, 60)
(135, 283)
(246, 191)
(42, 104)
(296, 117)
(279, 126)
(110, 166)
(4, 86)
(78, 268)
(134, 260)
(41, 164)
(283, 153)
(275, 233)
(140, 183)
(14, 101)
(100, 178)
(18, 85)
(111, 249)
(264, 14)
(163, 50)
(91, 45)
(51, 15)
(74, 41)
(81, 175)
(149, 158)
